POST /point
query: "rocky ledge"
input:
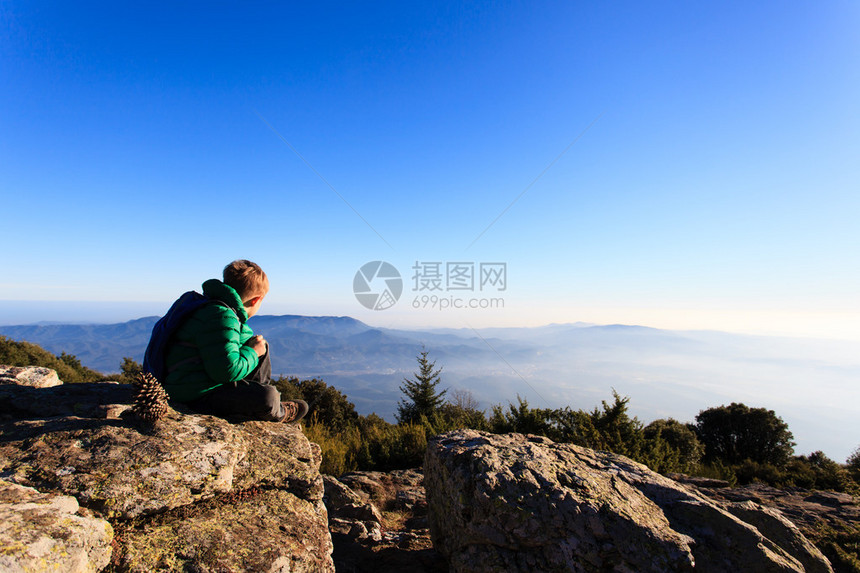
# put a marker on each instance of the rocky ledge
(524, 503)
(85, 486)
(191, 492)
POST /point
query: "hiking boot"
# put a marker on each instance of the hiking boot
(294, 410)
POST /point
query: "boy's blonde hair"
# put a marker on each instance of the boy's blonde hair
(247, 278)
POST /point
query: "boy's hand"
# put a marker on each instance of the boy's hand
(259, 344)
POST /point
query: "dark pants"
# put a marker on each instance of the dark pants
(253, 397)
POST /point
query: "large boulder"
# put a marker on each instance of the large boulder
(524, 503)
(189, 492)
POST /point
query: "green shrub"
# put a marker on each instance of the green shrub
(800, 473)
(460, 412)
(828, 474)
(68, 367)
(750, 471)
(339, 448)
(736, 433)
(522, 419)
(685, 451)
(664, 445)
(329, 404)
(716, 470)
(388, 446)
(841, 546)
(371, 444)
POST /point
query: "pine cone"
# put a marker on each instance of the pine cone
(150, 399)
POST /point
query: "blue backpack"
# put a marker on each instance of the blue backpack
(154, 359)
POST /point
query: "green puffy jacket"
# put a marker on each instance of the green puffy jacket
(209, 349)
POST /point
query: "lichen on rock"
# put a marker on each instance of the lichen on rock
(46, 532)
(185, 478)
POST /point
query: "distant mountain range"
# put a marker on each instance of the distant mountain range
(812, 384)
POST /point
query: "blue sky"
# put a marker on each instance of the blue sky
(712, 181)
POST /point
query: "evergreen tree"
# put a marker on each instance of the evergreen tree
(422, 397)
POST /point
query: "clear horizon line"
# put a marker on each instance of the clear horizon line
(425, 327)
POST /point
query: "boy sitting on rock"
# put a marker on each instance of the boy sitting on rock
(213, 361)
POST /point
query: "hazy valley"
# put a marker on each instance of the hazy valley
(811, 384)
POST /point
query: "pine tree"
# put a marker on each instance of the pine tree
(422, 398)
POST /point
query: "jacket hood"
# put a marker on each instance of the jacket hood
(213, 288)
